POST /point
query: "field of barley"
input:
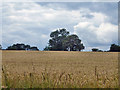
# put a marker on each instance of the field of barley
(59, 69)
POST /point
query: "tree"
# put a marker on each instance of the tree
(47, 48)
(34, 49)
(27, 47)
(21, 47)
(95, 50)
(100, 50)
(114, 48)
(57, 38)
(73, 43)
(11, 48)
(16, 47)
(62, 41)
(0, 46)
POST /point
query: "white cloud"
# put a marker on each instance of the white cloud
(99, 18)
(60, 1)
(97, 32)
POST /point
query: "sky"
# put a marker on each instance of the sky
(96, 23)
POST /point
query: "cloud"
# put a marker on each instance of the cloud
(61, 1)
(31, 23)
(97, 32)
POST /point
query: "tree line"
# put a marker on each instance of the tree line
(61, 40)
(113, 48)
(21, 47)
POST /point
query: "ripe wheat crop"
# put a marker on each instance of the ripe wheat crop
(59, 69)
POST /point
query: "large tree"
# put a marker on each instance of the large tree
(57, 38)
(62, 41)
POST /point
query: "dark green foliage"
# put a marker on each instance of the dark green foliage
(34, 48)
(47, 48)
(114, 48)
(0, 46)
(95, 50)
(100, 51)
(62, 41)
(22, 47)
(73, 43)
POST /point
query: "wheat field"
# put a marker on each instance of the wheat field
(59, 69)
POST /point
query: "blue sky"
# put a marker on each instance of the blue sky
(96, 23)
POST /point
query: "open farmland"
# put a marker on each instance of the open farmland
(59, 69)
